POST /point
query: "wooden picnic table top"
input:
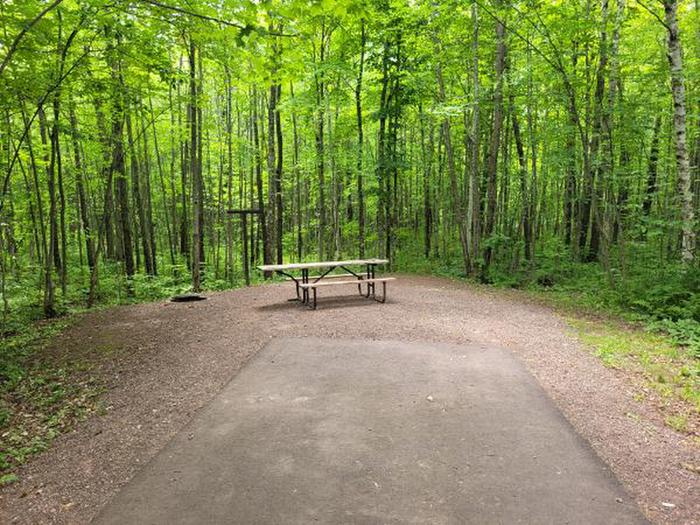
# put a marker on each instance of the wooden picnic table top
(321, 264)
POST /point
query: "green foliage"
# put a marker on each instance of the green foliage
(6, 479)
(683, 332)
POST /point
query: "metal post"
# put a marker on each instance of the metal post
(305, 280)
(246, 268)
(244, 226)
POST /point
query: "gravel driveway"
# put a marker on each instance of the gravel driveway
(165, 361)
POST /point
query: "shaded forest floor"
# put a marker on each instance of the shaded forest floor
(134, 375)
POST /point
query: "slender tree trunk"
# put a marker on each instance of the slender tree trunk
(474, 182)
(43, 252)
(652, 169)
(228, 270)
(267, 256)
(163, 191)
(271, 168)
(360, 143)
(297, 181)
(457, 207)
(173, 190)
(495, 142)
(524, 190)
(200, 172)
(279, 212)
(194, 113)
(138, 197)
(185, 164)
(599, 171)
(427, 154)
(146, 192)
(381, 169)
(55, 254)
(107, 175)
(56, 144)
(675, 58)
(119, 170)
(320, 157)
(49, 293)
(531, 211)
(80, 189)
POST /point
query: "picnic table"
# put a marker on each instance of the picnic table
(306, 285)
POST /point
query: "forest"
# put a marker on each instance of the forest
(528, 143)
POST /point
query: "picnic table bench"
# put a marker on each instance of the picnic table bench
(307, 285)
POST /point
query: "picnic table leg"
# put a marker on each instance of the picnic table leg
(310, 304)
(305, 280)
(359, 284)
(383, 299)
(368, 271)
(296, 285)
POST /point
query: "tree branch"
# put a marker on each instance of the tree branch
(245, 28)
(653, 13)
(24, 31)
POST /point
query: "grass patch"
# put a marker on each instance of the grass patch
(671, 374)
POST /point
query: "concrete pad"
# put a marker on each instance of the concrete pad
(330, 431)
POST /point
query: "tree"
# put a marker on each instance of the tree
(675, 59)
(128, 130)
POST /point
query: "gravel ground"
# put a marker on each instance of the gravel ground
(164, 361)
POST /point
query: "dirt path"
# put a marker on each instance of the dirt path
(164, 361)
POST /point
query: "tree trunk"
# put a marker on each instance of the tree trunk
(271, 154)
(320, 160)
(457, 208)
(185, 164)
(382, 171)
(675, 58)
(195, 173)
(80, 189)
(474, 219)
(297, 181)
(146, 191)
(524, 190)
(599, 170)
(49, 293)
(163, 191)
(138, 197)
(228, 266)
(37, 189)
(652, 169)
(278, 178)
(267, 257)
(427, 161)
(56, 145)
(360, 144)
(495, 144)
(118, 168)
